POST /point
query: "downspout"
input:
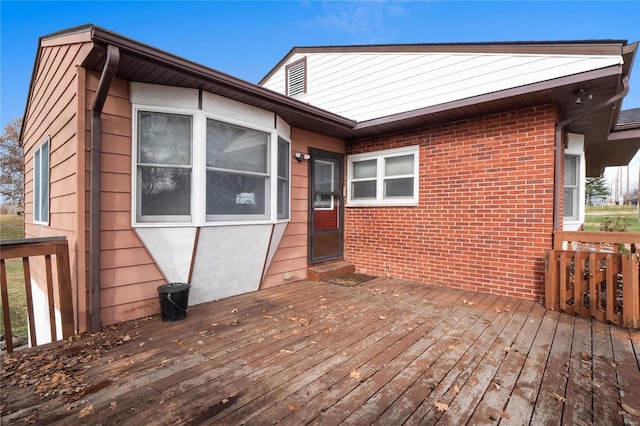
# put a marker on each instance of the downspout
(559, 147)
(108, 74)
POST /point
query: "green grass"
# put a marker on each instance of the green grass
(596, 215)
(11, 228)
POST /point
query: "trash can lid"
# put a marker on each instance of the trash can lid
(173, 287)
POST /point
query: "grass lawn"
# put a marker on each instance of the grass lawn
(595, 216)
(11, 228)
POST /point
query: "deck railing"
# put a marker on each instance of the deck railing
(595, 274)
(27, 249)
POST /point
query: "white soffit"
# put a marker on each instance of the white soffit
(171, 248)
(365, 86)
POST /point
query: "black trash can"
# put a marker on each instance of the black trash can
(174, 301)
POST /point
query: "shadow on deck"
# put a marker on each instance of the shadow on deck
(385, 351)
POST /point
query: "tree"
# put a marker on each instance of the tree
(596, 187)
(12, 165)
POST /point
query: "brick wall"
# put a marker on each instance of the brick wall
(485, 214)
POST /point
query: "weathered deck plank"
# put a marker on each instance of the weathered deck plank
(382, 352)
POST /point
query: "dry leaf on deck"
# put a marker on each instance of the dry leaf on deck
(113, 405)
(497, 310)
(293, 406)
(382, 317)
(355, 374)
(86, 411)
(441, 406)
(456, 389)
(558, 397)
(504, 415)
(234, 310)
(286, 351)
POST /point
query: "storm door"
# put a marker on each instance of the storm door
(325, 206)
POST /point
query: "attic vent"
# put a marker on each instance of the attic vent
(297, 77)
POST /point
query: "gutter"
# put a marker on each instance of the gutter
(559, 146)
(106, 78)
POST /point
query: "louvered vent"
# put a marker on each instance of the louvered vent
(296, 78)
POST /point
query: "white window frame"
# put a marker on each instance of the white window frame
(380, 178)
(287, 214)
(137, 197)
(40, 191)
(199, 172)
(575, 147)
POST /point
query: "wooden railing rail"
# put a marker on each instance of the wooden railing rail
(595, 274)
(25, 249)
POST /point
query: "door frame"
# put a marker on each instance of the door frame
(337, 192)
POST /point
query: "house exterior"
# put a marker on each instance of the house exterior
(158, 169)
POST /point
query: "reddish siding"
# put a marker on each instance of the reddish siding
(128, 274)
(290, 260)
(485, 214)
(54, 110)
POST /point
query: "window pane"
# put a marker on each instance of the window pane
(283, 199)
(395, 166)
(164, 138)
(235, 194)
(44, 186)
(398, 188)
(283, 159)
(236, 148)
(37, 182)
(364, 169)
(570, 198)
(363, 189)
(571, 170)
(164, 191)
(323, 176)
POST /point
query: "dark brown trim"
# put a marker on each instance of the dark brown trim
(624, 134)
(108, 74)
(302, 61)
(193, 253)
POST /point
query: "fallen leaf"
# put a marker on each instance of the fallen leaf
(629, 409)
(441, 406)
(113, 405)
(452, 348)
(293, 406)
(225, 401)
(355, 374)
(351, 307)
(382, 317)
(304, 322)
(234, 310)
(126, 338)
(558, 397)
(507, 348)
(86, 411)
(497, 310)
(456, 389)
(286, 351)
(504, 415)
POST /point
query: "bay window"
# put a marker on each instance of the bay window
(192, 168)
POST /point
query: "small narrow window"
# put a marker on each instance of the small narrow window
(283, 179)
(41, 183)
(164, 167)
(571, 187)
(296, 77)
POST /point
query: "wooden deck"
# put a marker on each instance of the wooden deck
(383, 352)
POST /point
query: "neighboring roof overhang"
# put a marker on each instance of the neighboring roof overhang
(142, 63)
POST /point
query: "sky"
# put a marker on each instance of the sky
(246, 39)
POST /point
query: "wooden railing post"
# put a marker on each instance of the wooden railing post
(25, 249)
(630, 291)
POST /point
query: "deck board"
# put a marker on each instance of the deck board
(382, 352)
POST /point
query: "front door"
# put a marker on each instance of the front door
(325, 206)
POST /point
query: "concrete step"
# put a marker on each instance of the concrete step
(330, 270)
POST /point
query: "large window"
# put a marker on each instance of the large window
(571, 187)
(384, 178)
(41, 183)
(164, 167)
(237, 172)
(191, 168)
